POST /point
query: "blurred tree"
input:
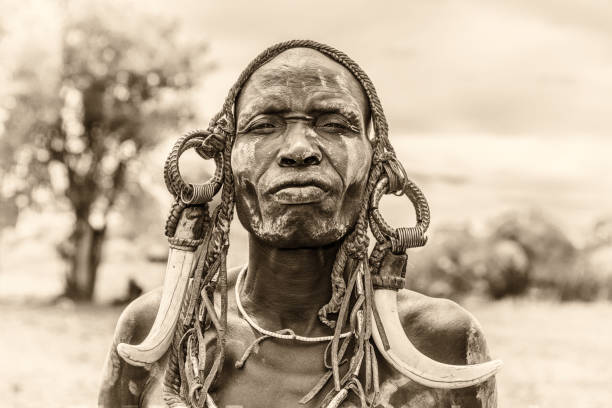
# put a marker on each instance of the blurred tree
(71, 134)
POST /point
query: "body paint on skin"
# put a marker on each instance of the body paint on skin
(311, 113)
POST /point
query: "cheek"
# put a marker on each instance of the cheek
(250, 158)
(354, 162)
(243, 158)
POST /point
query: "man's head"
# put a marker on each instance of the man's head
(301, 156)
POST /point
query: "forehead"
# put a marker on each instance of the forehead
(297, 78)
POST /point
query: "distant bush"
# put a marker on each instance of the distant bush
(576, 282)
(590, 276)
(440, 269)
(507, 268)
(458, 263)
(547, 248)
(520, 253)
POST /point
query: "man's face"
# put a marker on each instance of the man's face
(301, 155)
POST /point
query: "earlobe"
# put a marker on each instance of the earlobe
(369, 130)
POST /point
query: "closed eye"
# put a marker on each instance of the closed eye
(264, 125)
(335, 123)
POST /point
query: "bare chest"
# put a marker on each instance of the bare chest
(282, 391)
(279, 374)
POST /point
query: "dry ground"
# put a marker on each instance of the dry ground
(556, 355)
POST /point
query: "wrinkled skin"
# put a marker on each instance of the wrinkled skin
(302, 155)
(300, 162)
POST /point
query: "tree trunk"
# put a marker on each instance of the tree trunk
(84, 260)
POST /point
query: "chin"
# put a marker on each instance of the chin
(290, 233)
(291, 227)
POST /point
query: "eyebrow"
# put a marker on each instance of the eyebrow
(264, 106)
(334, 107)
(272, 105)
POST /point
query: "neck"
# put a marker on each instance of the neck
(285, 288)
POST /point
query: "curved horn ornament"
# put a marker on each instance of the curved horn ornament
(178, 271)
(405, 358)
(392, 341)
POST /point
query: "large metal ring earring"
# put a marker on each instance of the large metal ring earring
(189, 193)
(404, 237)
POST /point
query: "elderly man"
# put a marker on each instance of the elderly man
(301, 148)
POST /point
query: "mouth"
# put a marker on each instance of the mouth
(299, 191)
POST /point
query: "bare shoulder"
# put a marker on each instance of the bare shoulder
(122, 384)
(446, 332)
(442, 329)
(137, 318)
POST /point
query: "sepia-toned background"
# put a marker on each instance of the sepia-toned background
(499, 111)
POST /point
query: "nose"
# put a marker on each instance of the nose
(299, 148)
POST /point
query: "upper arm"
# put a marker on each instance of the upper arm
(445, 332)
(121, 383)
(485, 394)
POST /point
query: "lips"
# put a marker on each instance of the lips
(299, 195)
(303, 190)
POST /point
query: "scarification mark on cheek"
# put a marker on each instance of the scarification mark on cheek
(355, 162)
(243, 156)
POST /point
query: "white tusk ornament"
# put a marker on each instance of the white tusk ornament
(409, 361)
(178, 271)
